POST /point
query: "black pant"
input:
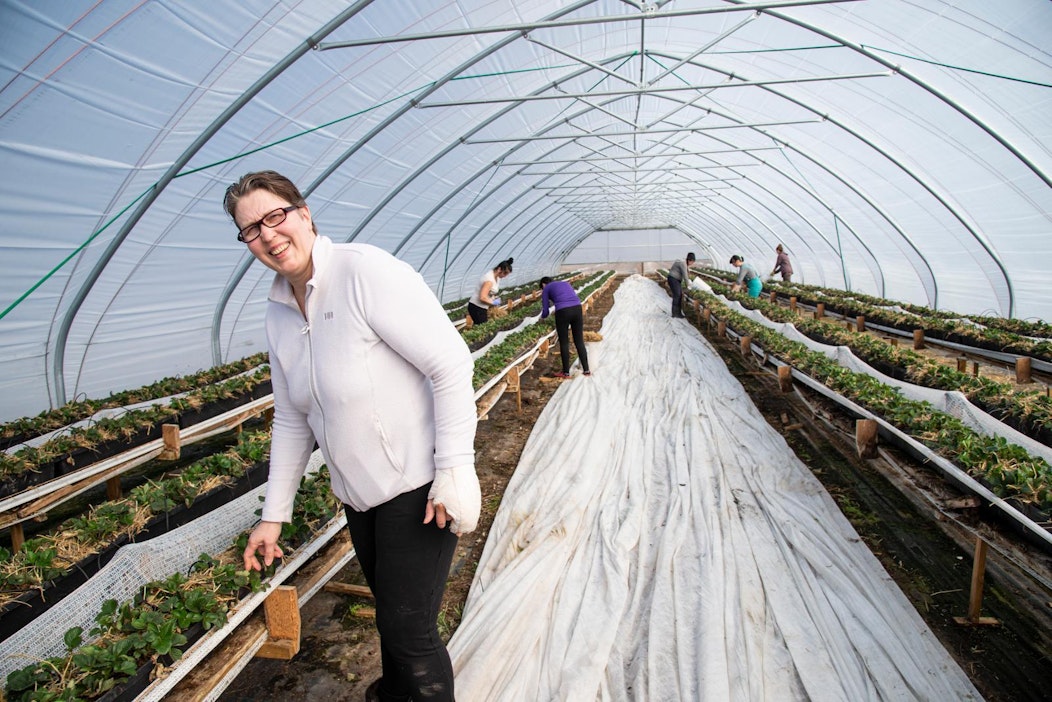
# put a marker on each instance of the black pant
(478, 314)
(406, 564)
(675, 286)
(571, 318)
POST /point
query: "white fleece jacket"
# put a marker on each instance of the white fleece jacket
(376, 373)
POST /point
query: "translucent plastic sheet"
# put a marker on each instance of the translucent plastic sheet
(660, 541)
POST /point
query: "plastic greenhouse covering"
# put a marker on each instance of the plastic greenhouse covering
(899, 148)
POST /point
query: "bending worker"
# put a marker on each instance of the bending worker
(748, 275)
(486, 294)
(568, 317)
(678, 276)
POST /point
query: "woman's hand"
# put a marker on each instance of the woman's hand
(263, 539)
(455, 498)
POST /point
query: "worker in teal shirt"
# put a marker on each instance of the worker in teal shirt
(748, 275)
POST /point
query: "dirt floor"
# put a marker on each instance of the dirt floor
(915, 525)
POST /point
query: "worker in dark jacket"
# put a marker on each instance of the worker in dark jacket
(678, 276)
(781, 264)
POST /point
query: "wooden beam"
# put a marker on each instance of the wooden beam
(282, 614)
(349, 589)
(866, 438)
(975, 598)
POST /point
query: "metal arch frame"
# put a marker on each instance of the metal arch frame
(398, 189)
(886, 216)
(170, 173)
(804, 241)
(875, 268)
(951, 208)
(236, 278)
(478, 174)
(510, 107)
(955, 105)
(395, 191)
(62, 338)
(478, 201)
(828, 169)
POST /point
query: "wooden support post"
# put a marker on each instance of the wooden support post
(746, 345)
(515, 386)
(113, 488)
(721, 329)
(706, 314)
(282, 611)
(962, 365)
(172, 445)
(866, 438)
(893, 342)
(849, 326)
(792, 303)
(697, 309)
(268, 415)
(975, 597)
(860, 323)
(542, 351)
(1022, 370)
(774, 296)
(468, 322)
(18, 537)
(820, 310)
(918, 339)
(785, 378)
(975, 368)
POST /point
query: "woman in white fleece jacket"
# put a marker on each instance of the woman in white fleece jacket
(365, 361)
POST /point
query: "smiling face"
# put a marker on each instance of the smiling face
(285, 248)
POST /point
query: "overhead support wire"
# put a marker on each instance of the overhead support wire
(659, 90)
(661, 169)
(586, 62)
(704, 47)
(553, 24)
(676, 130)
(641, 187)
(645, 155)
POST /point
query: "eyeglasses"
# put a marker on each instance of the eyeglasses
(271, 219)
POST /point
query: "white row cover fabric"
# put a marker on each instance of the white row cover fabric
(896, 147)
(660, 541)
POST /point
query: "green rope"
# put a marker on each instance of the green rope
(21, 298)
(73, 253)
(959, 68)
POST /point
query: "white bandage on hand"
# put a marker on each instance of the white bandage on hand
(457, 489)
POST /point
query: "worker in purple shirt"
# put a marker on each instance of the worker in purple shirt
(560, 295)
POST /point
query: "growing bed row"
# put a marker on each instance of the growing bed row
(1009, 471)
(134, 637)
(1029, 412)
(1020, 337)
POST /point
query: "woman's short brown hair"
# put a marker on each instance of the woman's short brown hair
(272, 182)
